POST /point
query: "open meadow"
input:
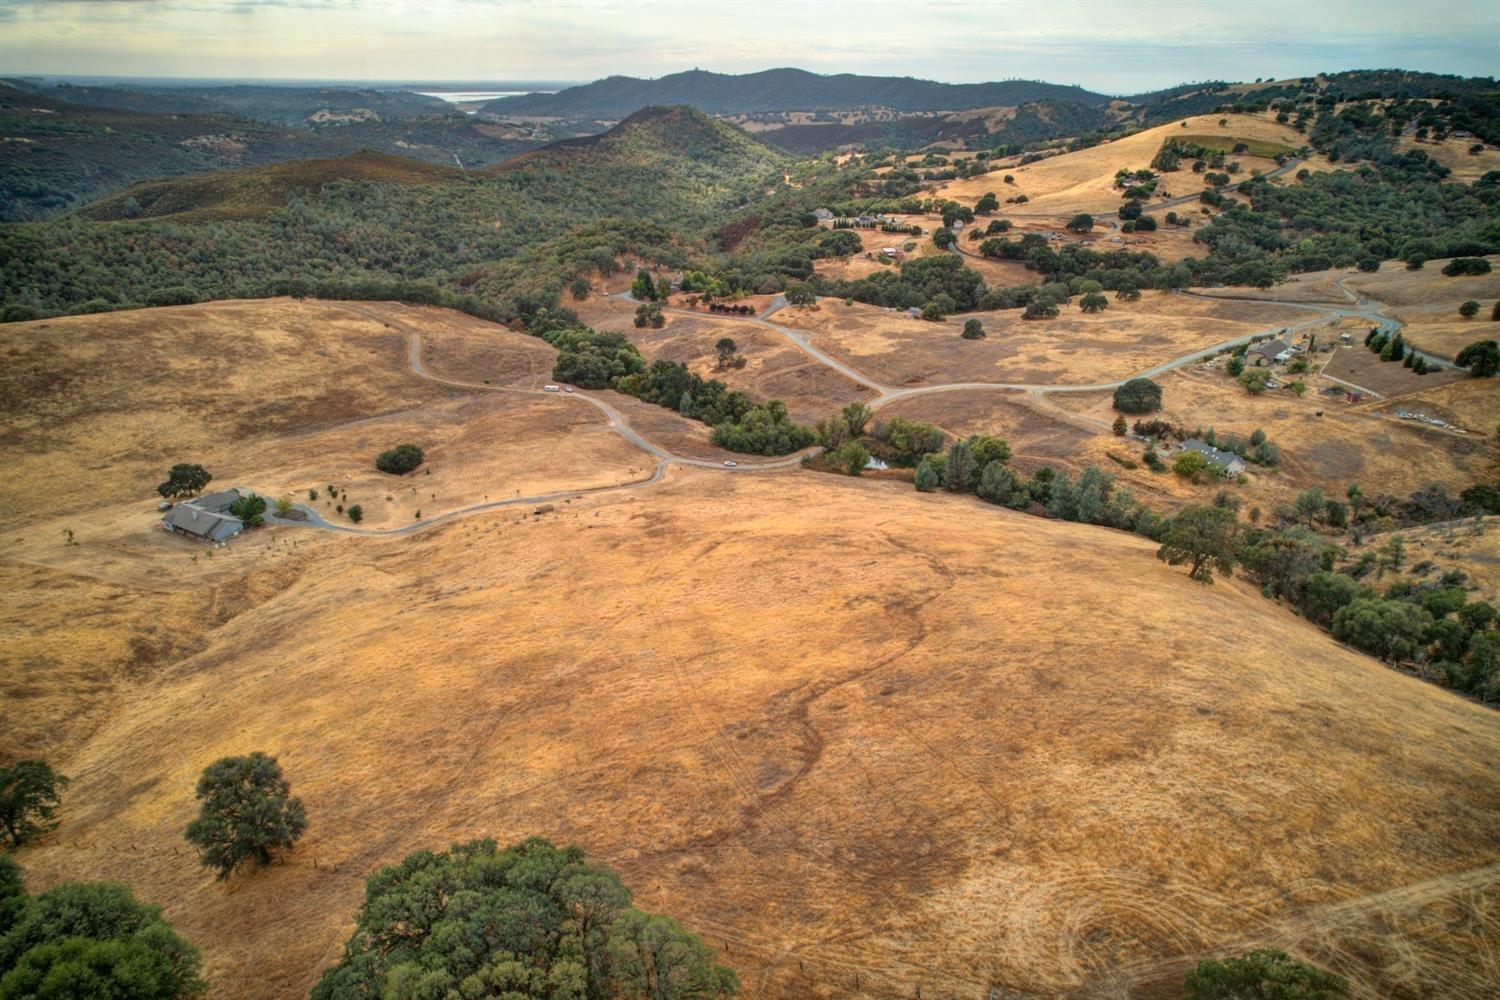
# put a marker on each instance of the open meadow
(1084, 180)
(284, 397)
(1078, 348)
(773, 368)
(829, 723)
(816, 754)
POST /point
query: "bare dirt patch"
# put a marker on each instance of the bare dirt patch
(1361, 366)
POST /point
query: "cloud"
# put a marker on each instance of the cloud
(1116, 47)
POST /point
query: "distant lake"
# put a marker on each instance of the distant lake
(470, 96)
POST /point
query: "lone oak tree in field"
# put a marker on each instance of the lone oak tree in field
(1081, 223)
(29, 795)
(89, 940)
(973, 330)
(1139, 395)
(800, 293)
(184, 479)
(247, 813)
(533, 920)
(1202, 537)
(724, 350)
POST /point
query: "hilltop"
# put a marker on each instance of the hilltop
(56, 154)
(782, 90)
(678, 136)
(251, 193)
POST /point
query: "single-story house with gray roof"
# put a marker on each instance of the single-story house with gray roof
(206, 517)
(1272, 352)
(1233, 465)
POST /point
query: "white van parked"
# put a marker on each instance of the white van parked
(550, 388)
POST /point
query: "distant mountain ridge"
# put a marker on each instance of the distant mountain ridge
(782, 90)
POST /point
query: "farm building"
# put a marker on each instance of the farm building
(1232, 464)
(206, 517)
(822, 215)
(1272, 352)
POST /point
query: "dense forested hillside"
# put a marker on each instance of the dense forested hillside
(782, 90)
(683, 190)
(57, 155)
(274, 104)
(512, 237)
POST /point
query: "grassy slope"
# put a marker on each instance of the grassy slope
(884, 757)
(838, 724)
(1083, 181)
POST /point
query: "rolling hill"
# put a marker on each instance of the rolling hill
(254, 191)
(831, 723)
(781, 90)
(656, 137)
(56, 155)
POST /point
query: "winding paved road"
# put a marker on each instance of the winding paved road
(884, 395)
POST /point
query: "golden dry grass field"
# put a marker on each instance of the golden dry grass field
(285, 396)
(872, 760)
(774, 369)
(1076, 349)
(833, 724)
(1083, 181)
(1470, 545)
(1454, 154)
(1427, 302)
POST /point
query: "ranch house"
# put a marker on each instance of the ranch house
(1232, 464)
(1272, 352)
(206, 518)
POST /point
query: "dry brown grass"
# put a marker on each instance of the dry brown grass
(1083, 181)
(1470, 545)
(773, 369)
(1454, 154)
(1358, 365)
(285, 396)
(1428, 303)
(1077, 348)
(877, 757)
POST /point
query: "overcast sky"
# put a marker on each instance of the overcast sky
(1111, 47)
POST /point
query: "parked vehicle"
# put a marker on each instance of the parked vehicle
(551, 388)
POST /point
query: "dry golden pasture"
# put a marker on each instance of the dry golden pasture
(1469, 545)
(1427, 302)
(1083, 181)
(1454, 154)
(1076, 349)
(282, 397)
(774, 369)
(865, 762)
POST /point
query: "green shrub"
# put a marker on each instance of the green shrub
(399, 460)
